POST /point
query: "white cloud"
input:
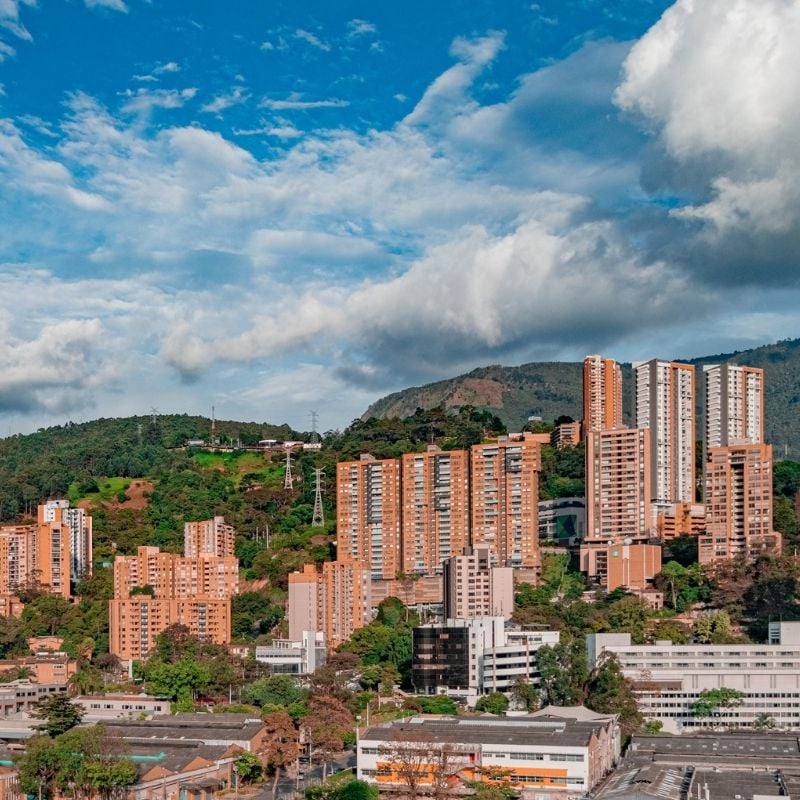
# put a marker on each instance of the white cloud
(294, 102)
(143, 100)
(10, 19)
(719, 82)
(170, 66)
(360, 27)
(283, 131)
(113, 5)
(235, 97)
(312, 39)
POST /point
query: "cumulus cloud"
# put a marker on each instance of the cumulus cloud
(718, 82)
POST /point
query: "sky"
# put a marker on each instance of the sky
(274, 207)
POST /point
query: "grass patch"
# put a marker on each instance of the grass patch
(236, 466)
(108, 489)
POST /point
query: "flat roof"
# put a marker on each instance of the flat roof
(498, 731)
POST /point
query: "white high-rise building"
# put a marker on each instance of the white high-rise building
(665, 406)
(734, 405)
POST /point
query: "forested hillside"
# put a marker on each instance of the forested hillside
(554, 388)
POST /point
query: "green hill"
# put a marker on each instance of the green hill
(549, 389)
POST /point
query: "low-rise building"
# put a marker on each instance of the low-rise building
(614, 562)
(668, 678)
(45, 667)
(679, 519)
(547, 756)
(466, 658)
(565, 434)
(562, 521)
(21, 696)
(294, 657)
(99, 707)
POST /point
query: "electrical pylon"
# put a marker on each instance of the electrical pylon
(288, 480)
(318, 520)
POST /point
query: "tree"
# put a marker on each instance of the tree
(630, 614)
(248, 767)
(281, 743)
(275, 691)
(494, 703)
(439, 704)
(563, 672)
(329, 725)
(38, 767)
(59, 714)
(179, 681)
(609, 692)
(713, 627)
(764, 721)
(525, 694)
(711, 701)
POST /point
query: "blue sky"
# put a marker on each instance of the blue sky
(274, 207)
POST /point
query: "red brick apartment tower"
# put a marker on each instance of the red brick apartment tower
(602, 394)
(368, 514)
(505, 496)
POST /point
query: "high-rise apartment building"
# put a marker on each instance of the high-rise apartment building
(17, 557)
(738, 503)
(333, 599)
(505, 496)
(565, 434)
(153, 590)
(64, 545)
(665, 407)
(602, 394)
(435, 508)
(474, 588)
(734, 405)
(209, 537)
(618, 493)
(368, 514)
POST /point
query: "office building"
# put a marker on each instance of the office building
(435, 508)
(466, 658)
(665, 406)
(333, 599)
(668, 678)
(734, 405)
(738, 495)
(289, 657)
(475, 588)
(618, 493)
(549, 756)
(368, 509)
(562, 521)
(153, 590)
(210, 537)
(602, 394)
(505, 496)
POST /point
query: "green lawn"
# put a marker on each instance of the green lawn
(109, 488)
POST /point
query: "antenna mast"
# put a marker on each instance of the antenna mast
(288, 479)
(318, 520)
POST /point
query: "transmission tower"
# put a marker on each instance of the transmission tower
(314, 433)
(153, 414)
(288, 479)
(213, 426)
(318, 520)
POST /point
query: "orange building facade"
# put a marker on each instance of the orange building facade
(680, 519)
(505, 500)
(602, 394)
(626, 562)
(191, 591)
(334, 599)
(435, 508)
(209, 537)
(738, 495)
(368, 510)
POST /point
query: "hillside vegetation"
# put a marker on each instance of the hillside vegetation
(550, 389)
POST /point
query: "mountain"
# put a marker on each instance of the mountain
(549, 389)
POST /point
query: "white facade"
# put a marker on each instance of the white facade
(667, 678)
(665, 405)
(734, 405)
(547, 757)
(294, 657)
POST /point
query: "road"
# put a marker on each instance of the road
(287, 787)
